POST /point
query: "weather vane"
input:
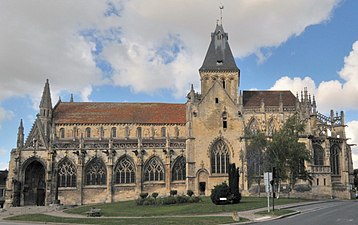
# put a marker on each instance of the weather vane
(221, 7)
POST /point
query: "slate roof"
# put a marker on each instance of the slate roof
(219, 51)
(270, 98)
(104, 112)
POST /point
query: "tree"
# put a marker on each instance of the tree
(287, 154)
(255, 151)
(355, 173)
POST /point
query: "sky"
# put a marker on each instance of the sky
(150, 51)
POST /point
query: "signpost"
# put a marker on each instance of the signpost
(267, 179)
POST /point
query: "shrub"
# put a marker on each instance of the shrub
(155, 195)
(169, 200)
(182, 199)
(194, 199)
(139, 201)
(143, 195)
(173, 192)
(220, 191)
(189, 193)
(149, 201)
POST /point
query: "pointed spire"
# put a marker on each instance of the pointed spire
(219, 56)
(46, 102)
(20, 135)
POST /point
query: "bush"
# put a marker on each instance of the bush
(149, 201)
(155, 195)
(139, 201)
(169, 200)
(194, 199)
(189, 193)
(173, 192)
(143, 195)
(223, 191)
(182, 199)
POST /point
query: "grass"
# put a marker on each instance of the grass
(129, 208)
(128, 221)
(277, 212)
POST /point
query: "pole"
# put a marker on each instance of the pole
(268, 201)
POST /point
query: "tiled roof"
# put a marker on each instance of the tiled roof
(270, 98)
(103, 112)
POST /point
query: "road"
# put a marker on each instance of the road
(329, 213)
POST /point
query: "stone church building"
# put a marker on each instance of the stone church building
(94, 152)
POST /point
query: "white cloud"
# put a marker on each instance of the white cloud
(327, 91)
(5, 115)
(352, 134)
(46, 42)
(4, 166)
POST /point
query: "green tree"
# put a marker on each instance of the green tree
(355, 173)
(287, 154)
(255, 153)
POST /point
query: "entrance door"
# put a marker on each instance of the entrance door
(202, 187)
(34, 185)
(202, 181)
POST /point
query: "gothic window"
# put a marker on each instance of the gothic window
(154, 170)
(62, 133)
(334, 160)
(163, 132)
(114, 132)
(253, 127)
(139, 132)
(95, 172)
(179, 169)
(88, 132)
(67, 174)
(271, 128)
(220, 158)
(124, 172)
(318, 155)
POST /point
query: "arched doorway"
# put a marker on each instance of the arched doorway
(34, 185)
(202, 181)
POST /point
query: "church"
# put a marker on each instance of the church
(100, 152)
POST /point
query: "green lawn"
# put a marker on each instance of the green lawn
(142, 221)
(129, 208)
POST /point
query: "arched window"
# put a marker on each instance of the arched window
(67, 174)
(318, 155)
(163, 132)
(253, 127)
(179, 169)
(224, 116)
(220, 158)
(96, 172)
(124, 172)
(154, 170)
(88, 132)
(62, 132)
(114, 132)
(334, 160)
(139, 132)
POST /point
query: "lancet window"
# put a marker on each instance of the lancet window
(67, 174)
(179, 169)
(334, 159)
(96, 173)
(125, 171)
(220, 158)
(318, 155)
(154, 170)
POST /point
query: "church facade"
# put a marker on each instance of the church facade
(93, 152)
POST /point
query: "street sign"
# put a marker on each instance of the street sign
(267, 179)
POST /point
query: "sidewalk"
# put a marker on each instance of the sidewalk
(58, 211)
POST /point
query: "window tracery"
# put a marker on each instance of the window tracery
(125, 171)
(67, 174)
(179, 169)
(96, 173)
(220, 158)
(253, 127)
(154, 170)
(318, 155)
(334, 160)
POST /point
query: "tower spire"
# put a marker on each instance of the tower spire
(221, 7)
(46, 103)
(20, 135)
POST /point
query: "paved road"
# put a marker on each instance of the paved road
(330, 213)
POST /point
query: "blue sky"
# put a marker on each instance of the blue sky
(150, 51)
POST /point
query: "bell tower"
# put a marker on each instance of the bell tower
(219, 65)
